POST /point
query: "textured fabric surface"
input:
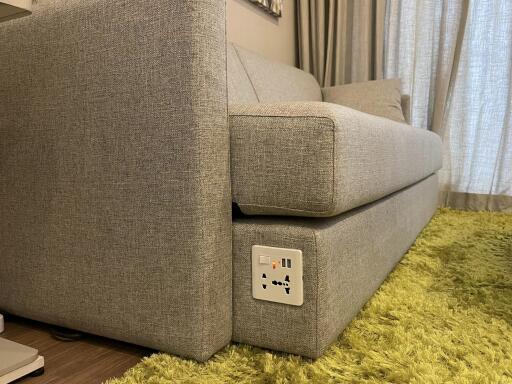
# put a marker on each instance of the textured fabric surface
(240, 89)
(345, 260)
(341, 41)
(378, 97)
(321, 159)
(442, 316)
(275, 81)
(114, 182)
(455, 59)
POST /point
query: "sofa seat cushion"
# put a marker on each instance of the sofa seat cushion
(319, 159)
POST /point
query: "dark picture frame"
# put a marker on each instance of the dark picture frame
(274, 7)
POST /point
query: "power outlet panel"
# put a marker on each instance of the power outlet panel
(277, 275)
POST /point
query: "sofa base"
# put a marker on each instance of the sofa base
(346, 258)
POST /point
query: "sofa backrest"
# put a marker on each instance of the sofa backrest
(240, 88)
(252, 78)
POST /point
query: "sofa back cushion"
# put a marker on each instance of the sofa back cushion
(240, 89)
(270, 81)
(377, 97)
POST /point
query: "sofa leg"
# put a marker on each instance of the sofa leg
(65, 334)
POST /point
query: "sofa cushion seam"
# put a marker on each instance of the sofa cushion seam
(286, 117)
(247, 73)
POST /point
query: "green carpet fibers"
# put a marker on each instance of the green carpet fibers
(443, 316)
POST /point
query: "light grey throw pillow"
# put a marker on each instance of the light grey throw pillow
(378, 97)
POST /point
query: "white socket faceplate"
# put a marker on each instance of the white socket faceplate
(277, 275)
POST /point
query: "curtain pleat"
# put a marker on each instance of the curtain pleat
(341, 41)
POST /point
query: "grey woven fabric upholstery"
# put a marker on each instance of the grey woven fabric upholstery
(273, 81)
(376, 97)
(345, 259)
(114, 182)
(321, 159)
(240, 88)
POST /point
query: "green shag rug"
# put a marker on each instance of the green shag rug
(443, 316)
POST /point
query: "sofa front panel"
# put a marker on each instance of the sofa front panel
(345, 260)
(114, 158)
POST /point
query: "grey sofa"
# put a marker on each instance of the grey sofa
(349, 189)
(116, 184)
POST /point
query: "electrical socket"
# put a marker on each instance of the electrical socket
(277, 275)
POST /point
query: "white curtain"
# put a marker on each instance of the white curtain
(455, 60)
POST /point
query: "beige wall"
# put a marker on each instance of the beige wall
(252, 28)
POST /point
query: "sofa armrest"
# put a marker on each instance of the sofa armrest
(114, 171)
(321, 159)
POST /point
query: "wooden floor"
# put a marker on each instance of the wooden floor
(90, 360)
